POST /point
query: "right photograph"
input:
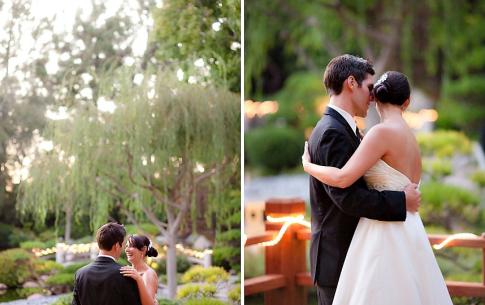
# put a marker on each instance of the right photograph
(364, 164)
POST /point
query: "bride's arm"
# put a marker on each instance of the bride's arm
(147, 288)
(372, 148)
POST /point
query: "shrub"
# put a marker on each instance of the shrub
(195, 291)
(444, 143)
(274, 148)
(437, 167)
(17, 267)
(167, 302)
(442, 204)
(201, 274)
(479, 178)
(42, 267)
(234, 295)
(26, 292)
(205, 301)
(64, 300)
(61, 279)
(72, 268)
(32, 244)
(183, 265)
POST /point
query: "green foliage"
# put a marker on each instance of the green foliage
(256, 265)
(32, 244)
(479, 178)
(72, 268)
(183, 265)
(301, 101)
(26, 292)
(234, 295)
(146, 228)
(205, 301)
(444, 143)
(183, 31)
(167, 302)
(441, 203)
(61, 279)
(200, 274)
(42, 267)
(437, 168)
(17, 267)
(195, 291)
(274, 148)
(227, 250)
(456, 114)
(64, 300)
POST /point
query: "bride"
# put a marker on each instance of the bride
(137, 248)
(387, 262)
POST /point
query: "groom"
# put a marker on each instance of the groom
(101, 281)
(336, 211)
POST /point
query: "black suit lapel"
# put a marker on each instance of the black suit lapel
(334, 114)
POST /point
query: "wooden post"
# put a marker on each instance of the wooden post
(288, 257)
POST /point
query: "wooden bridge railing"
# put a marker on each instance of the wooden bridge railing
(286, 278)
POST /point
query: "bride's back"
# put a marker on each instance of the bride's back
(402, 149)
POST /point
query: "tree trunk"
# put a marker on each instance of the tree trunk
(68, 225)
(171, 266)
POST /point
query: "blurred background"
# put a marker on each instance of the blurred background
(127, 111)
(439, 45)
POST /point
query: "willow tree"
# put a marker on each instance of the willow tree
(161, 144)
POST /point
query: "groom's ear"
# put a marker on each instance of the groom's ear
(350, 82)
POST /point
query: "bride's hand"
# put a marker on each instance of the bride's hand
(129, 271)
(305, 158)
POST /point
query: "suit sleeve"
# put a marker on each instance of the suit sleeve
(357, 200)
(130, 293)
(75, 295)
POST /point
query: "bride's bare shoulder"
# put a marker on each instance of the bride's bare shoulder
(382, 131)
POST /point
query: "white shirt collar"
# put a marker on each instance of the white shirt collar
(350, 120)
(102, 255)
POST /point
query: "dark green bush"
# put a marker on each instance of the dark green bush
(274, 148)
(147, 228)
(17, 267)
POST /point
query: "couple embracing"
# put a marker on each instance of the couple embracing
(368, 243)
(106, 282)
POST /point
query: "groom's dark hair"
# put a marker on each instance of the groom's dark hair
(109, 234)
(343, 66)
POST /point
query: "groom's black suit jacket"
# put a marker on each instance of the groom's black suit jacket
(101, 283)
(336, 211)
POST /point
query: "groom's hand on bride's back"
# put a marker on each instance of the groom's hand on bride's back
(413, 197)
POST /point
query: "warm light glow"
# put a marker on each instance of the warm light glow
(260, 109)
(287, 222)
(74, 248)
(450, 238)
(416, 120)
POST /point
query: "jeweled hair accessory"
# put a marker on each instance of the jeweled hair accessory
(150, 245)
(381, 80)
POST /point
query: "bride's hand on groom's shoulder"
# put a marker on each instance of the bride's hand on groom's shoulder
(129, 271)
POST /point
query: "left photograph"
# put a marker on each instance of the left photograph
(120, 157)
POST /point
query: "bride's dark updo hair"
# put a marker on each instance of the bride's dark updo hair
(140, 241)
(392, 88)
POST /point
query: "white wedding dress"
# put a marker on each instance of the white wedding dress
(390, 262)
